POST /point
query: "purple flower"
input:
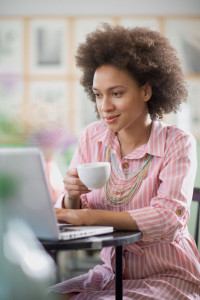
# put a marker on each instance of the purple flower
(53, 138)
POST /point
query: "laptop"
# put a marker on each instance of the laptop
(30, 198)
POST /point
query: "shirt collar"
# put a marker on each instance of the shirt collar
(155, 145)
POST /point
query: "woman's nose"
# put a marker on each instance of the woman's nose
(106, 104)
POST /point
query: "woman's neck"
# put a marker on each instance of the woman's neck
(130, 140)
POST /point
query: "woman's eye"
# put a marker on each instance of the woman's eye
(117, 94)
(97, 95)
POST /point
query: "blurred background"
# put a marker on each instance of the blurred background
(41, 101)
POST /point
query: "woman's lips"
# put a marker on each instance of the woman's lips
(111, 119)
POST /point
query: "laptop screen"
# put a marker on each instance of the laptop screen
(31, 198)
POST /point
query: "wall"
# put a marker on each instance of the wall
(102, 7)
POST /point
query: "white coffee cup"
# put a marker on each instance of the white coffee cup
(94, 175)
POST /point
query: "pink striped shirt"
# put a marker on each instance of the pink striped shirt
(166, 263)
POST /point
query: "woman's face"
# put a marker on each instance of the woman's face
(121, 102)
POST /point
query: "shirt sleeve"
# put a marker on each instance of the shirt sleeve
(79, 157)
(168, 213)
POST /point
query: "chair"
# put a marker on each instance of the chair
(196, 197)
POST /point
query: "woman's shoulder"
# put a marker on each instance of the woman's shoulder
(175, 133)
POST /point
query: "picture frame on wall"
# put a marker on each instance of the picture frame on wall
(11, 46)
(84, 109)
(48, 46)
(48, 104)
(184, 35)
(11, 106)
(11, 96)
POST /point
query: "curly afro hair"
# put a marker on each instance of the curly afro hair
(145, 54)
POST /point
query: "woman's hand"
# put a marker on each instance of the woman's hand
(74, 188)
(73, 216)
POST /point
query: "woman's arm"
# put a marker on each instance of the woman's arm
(74, 189)
(168, 213)
(119, 220)
(71, 203)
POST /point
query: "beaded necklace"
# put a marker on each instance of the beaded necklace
(119, 190)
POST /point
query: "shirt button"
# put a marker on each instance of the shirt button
(125, 165)
(179, 212)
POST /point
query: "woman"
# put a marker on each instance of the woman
(134, 77)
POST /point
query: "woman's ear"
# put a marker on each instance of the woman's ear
(147, 91)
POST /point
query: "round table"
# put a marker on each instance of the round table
(116, 239)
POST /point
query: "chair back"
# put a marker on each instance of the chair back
(196, 197)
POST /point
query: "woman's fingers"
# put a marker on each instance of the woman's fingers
(72, 181)
(72, 216)
(72, 178)
(73, 184)
(72, 172)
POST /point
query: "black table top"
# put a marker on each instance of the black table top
(116, 238)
